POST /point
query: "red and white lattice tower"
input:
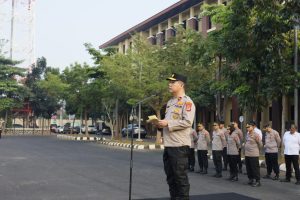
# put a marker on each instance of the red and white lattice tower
(17, 31)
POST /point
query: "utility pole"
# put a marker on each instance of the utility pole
(296, 27)
(12, 27)
(11, 47)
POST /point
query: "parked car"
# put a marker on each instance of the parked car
(67, 130)
(91, 129)
(76, 129)
(17, 126)
(135, 131)
(53, 127)
(59, 129)
(106, 131)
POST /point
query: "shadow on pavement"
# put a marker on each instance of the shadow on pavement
(221, 196)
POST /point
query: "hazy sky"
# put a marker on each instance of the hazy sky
(63, 26)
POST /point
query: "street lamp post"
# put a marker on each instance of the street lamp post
(140, 107)
(132, 118)
(139, 130)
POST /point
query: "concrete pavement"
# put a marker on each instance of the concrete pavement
(44, 168)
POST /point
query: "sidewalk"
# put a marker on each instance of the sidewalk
(148, 144)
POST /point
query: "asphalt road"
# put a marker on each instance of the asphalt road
(44, 168)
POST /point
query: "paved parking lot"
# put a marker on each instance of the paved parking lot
(44, 168)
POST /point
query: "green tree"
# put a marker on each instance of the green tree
(83, 90)
(11, 93)
(43, 103)
(254, 41)
(142, 71)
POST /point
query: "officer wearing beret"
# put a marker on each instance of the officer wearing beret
(179, 116)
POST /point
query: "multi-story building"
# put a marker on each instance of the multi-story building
(160, 27)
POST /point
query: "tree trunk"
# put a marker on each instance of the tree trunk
(223, 112)
(86, 122)
(265, 115)
(117, 119)
(5, 121)
(111, 125)
(158, 133)
(43, 125)
(254, 116)
(218, 97)
(283, 118)
(72, 127)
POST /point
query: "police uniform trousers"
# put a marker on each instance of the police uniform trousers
(192, 158)
(252, 167)
(217, 158)
(176, 168)
(202, 159)
(289, 159)
(233, 164)
(225, 159)
(272, 163)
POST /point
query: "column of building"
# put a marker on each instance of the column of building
(160, 36)
(151, 38)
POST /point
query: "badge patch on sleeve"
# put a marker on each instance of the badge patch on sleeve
(188, 106)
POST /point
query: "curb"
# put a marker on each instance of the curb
(283, 168)
(78, 138)
(135, 146)
(103, 141)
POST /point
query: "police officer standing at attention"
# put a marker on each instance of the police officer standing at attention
(272, 143)
(241, 137)
(224, 153)
(233, 145)
(218, 143)
(252, 147)
(192, 159)
(202, 148)
(180, 112)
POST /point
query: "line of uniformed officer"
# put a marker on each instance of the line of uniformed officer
(233, 138)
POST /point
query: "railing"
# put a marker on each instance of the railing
(26, 131)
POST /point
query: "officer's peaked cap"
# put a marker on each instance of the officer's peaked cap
(177, 77)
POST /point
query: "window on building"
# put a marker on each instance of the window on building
(209, 23)
(124, 48)
(130, 45)
(154, 40)
(184, 24)
(225, 3)
(174, 31)
(163, 37)
(197, 23)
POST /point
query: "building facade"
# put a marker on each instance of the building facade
(161, 27)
